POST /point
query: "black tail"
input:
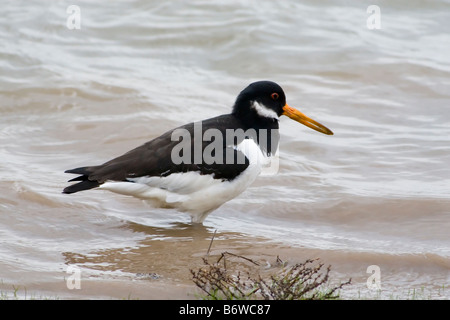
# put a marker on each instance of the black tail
(85, 183)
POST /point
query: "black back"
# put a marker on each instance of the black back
(154, 158)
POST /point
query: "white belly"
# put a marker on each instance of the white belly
(191, 191)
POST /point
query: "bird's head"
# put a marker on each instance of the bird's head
(266, 101)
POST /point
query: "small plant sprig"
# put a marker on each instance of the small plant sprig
(302, 281)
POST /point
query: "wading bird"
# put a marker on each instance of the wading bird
(197, 174)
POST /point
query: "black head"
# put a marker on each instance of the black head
(262, 100)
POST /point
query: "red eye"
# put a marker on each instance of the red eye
(275, 96)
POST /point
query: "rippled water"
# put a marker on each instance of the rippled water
(375, 193)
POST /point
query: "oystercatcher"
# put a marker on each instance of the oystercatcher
(198, 167)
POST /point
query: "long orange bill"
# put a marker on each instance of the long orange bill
(296, 115)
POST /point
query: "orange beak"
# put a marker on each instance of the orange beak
(296, 115)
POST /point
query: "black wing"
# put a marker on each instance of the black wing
(154, 158)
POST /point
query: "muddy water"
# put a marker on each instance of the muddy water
(375, 193)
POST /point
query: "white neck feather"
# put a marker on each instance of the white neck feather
(263, 111)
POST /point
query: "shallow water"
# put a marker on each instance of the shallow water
(375, 193)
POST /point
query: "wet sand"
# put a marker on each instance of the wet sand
(160, 268)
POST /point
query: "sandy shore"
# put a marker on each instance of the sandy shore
(162, 271)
